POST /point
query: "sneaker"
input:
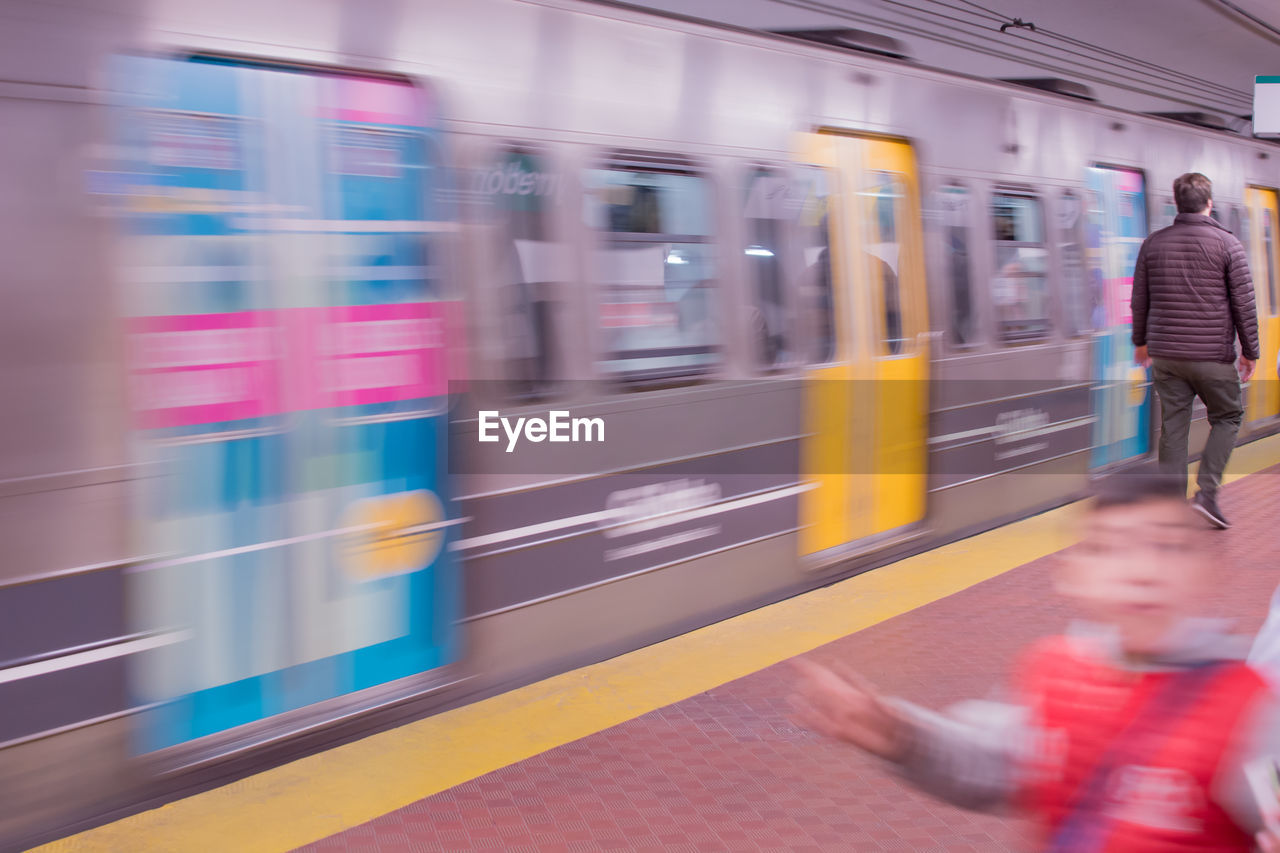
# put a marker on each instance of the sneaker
(1208, 507)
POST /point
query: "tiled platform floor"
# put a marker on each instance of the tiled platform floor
(725, 770)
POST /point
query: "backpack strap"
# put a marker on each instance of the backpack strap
(1085, 828)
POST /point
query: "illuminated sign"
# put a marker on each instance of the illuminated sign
(1266, 105)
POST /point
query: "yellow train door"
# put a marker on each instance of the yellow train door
(1263, 399)
(866, 406)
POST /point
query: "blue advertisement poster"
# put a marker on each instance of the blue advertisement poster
(1121, 389)
(287, 359)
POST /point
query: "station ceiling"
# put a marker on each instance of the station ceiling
(1144, 55)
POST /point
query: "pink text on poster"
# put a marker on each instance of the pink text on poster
(367, 354)
(213, 368)
(204, 368)
(1119, 292)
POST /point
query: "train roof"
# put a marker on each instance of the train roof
(876, 49)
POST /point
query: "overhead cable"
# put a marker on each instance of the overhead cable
(1208, 88)
(1254, 18)
(1123, 57)
(985, 41)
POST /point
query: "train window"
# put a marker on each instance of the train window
(656, 271)
(814, 233)
(768, 207)
(1167, 213)
(517, 192)
(955, 238)
(1243, 224)
(1019, 289)
(882, 210)
(1268, 248)
(1078, 299)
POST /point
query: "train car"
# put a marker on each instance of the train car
(796, 311)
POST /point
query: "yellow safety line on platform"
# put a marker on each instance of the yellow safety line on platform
(323, 794)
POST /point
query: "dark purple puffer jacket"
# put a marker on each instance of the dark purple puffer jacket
(1192, 293)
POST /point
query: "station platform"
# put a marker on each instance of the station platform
(686, 745)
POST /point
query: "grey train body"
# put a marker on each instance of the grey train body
(546, 589)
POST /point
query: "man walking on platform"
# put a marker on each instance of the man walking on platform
(1192, 296)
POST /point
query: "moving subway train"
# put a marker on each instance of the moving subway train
(369, 358)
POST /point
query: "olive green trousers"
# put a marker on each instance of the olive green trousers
(1177, 384)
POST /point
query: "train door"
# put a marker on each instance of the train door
(867, 402)
(1263, 400)
(287, 370)
(1121, 391)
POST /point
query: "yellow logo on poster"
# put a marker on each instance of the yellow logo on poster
(1137, 385)
(392, 540)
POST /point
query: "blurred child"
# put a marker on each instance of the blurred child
(1131, 733)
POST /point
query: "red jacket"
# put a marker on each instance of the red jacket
(1159, 797)
(1176, 781)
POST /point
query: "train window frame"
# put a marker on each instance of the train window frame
(1084, 295)
(1242, 223)
(1150, 200)
(818, 316)
(558, 313)
(1238, 222)
(886, 284)
(1148, 196)
(601, 239)
(1269, 241)
(1051, 327)
(973, 199)
(784, 254)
